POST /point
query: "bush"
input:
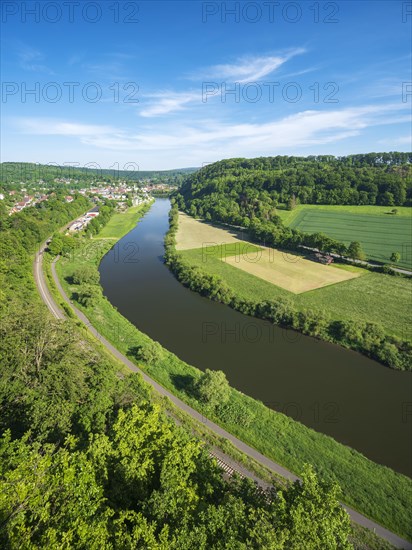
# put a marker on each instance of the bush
(88, 295)
(86, 274)
(212, 388)
(149, 353)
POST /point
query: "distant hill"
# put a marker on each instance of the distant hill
(234, 189)
(30, 172)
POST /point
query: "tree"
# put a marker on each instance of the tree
(291, 204)
(151, 353)
(212, 388)
(395, 257)
(355, 251)
(88, 295)
(56, 246)
(86, 274)
(314, 515)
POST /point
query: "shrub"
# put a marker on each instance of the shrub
(86, 274)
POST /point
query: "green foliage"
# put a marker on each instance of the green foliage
(238, 187)
(150, 352)
(56, 246)
(371, 297)
(355, 251)
(246, 192)
(315, 518)
(212, 388)
(88, 461)
(395, 257)
(88, 294)
(282, 311)
(146, 484)
(234, 413)
(85, 274)
(97, 223)
(377, 491)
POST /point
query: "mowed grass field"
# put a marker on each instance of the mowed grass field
(193, 233)
(379, 234)
(291, 272)
(369, 297)
(120, 223)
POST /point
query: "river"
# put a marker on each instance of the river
(335, 391)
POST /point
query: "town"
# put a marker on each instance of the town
(125, 193)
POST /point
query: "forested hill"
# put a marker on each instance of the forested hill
(15, 172)
(254, 187)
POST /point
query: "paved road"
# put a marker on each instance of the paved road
(246, 449)
(40, 281)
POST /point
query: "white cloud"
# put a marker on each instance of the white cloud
(248, 68)
(49, 127)
(31, 60)
(208, 140)
(168, 102)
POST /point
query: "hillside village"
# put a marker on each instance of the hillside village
(124, 193)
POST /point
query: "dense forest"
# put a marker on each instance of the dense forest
(26, 172)
(238, 190)
(247, 193)
(88, 459)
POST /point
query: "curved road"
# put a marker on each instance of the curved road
(358, 518)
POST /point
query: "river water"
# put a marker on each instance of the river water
(335, 391)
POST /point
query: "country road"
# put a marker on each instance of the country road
(42, 286)
(225, 462)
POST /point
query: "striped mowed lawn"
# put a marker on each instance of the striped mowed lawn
(379, 235)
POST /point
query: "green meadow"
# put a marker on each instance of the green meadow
(372, 297)
(379, 232)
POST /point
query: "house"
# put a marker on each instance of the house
(69, 198)
(93, 212)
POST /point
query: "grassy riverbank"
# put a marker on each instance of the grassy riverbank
(372, 297)
(375, 490)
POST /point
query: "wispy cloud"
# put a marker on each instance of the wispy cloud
(49, 126)
(247, 68)
(32, 60)
(306, 128)
(163, 103)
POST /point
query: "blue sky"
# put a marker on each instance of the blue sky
(175, 84)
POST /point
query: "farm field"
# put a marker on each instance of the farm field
(290, 272)
(369, 297)
(288, 216)
(193, 233)
(379, 234)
